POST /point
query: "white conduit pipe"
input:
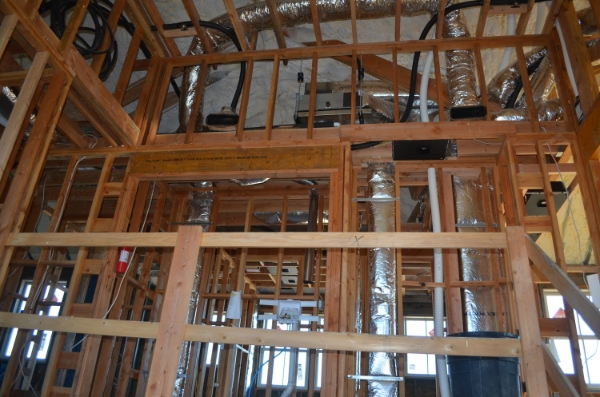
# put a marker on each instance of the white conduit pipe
(438, 292)
(539, 22)
(510, 31)
(293, 371)
(567, 59)
(424, 86)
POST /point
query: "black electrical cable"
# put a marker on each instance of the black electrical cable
(229, 32)
(99, 11)
(361, 75)
(415, 67)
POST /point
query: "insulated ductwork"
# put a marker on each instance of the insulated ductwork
(200, 206)
(190, 89)
(460, 64)
(541, 84)
(257, 17)
(293, 218)
(382, 278)
(546, 111)
(505, 82)
(385, 107)
(587, 21)
(476, 264)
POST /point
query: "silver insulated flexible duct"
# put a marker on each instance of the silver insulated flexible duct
(476, 264)
(200, 206)
(382, 278)
(460, 64)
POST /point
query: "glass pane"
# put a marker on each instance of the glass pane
(416, 364)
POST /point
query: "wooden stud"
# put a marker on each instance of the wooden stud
(579, 57)
(277, 27)
(531, 105)
(239, 134)
(236, 23)
(272, 98)
(531, 341)
(174, 314)
(8, 26)
(314, 10)
(19, 112)
(313, 96)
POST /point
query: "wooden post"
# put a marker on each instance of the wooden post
(531, 341)
(11, 132)
(163, 371)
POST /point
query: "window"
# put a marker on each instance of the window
(281, 368)
(53, 311)
(419, 364)
(589, 345)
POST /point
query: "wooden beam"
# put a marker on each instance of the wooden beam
(567, 288)
(264, 240)
(174, 312)
(8, 26)
(578, 55)
(19, 112)
(236, 23)
(277, 27)
(589, 133)
(314, 10)
(529, 331)
(328, 51)
(101, 100)
(263, 337)
(558, 377)
(384, 70)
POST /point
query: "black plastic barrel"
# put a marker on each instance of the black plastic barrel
(484, 376)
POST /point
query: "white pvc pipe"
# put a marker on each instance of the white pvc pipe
(293, 369)
(438, 277)
(510, 31)
(442, 70)
(567, 59)
(539, 22)
(424, 86)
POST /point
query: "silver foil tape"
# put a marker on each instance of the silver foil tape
(382, 278)
(476, 264)
(199, 209)
(503, 84)
(460, 64)
(587, 21)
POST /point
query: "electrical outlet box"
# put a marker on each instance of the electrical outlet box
(289, 312)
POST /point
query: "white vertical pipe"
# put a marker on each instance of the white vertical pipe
(438, 277)
(510, 31)
(293, 370)
(424, 86)
(567, 59)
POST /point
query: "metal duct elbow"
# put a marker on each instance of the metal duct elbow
(504, 83)
(460, 64)
(542, 83)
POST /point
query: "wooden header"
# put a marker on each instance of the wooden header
(265, 240)
(237, 160)
(263, 337)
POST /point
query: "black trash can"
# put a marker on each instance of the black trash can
(484, 376)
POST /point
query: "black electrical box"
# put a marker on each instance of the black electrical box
(535, 200)
(420, 150)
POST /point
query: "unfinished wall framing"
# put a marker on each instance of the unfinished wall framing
(283, 212)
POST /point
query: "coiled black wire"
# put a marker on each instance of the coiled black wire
(99, 12)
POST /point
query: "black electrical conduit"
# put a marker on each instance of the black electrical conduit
(99, 11)
(415, 65)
